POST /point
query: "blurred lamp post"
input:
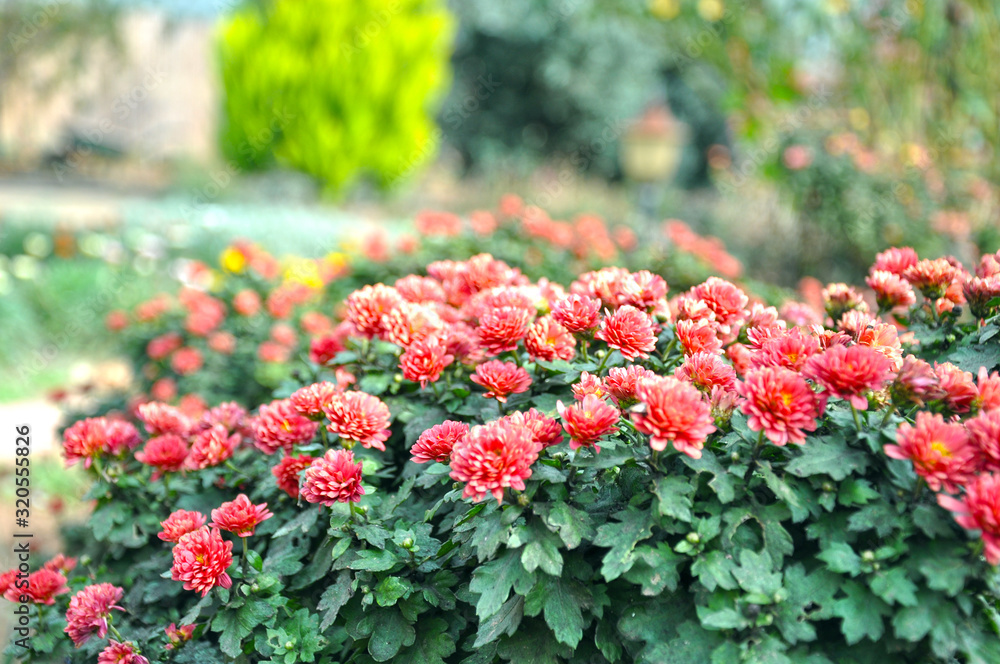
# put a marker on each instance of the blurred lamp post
(650, 153)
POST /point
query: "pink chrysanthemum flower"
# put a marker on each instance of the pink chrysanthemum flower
(333, 478)
(359, 417)
(838, 299)
(891, 290)
(417, 289)
(960, 391)
(230, 415)
(546, 431)
(89, 611)
(211, 447)
(548, 340)
(163, 345)
(707, 371)
(179, 524)
(984, 434)
(410, 322)
(178, 635)
(424, 360)
(673, 411)
(589, 384)
(310, 400)
(501, 329)
(579, 314)
(885, 339)
(501, 379)
(698, 336)
(121, 653)
(201, 559)
(161, 418)
(43, 588)
(849, 372)
(789, 349)
(726, 301)
(288, 472)
(940, 451)
(186, 361)
(367, 307)
(61, 563)
(279, 426)
(741, 357)
(492, 457)
(588, 421)
(988, 386)
(240, 516)
(435, 444)
(166, 453)
(96, 436)
(916, 383)
(628, 330)
(931, 277)
(979, 509)
(621, 384)
(895, 260)
(780, 403)
(979, 292)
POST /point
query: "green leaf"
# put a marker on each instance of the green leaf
(827, 456)
(944, 566)
(374, 534)
(798, 504)
(391, 589)
(722, 482)
(754, 573)
(533, 643)
(861, 612)
(932, 521)
(390, 632)
(810, 597)
(674, 495)
(656, 569)
(633, 526)
(573, 525)
(303, 522)
(433, 643)
(504, 621)
(333, 598)
(692, 645)
(542, 551)
(856, 491)
(374, 560)
(715, 570)
(840, 557)
(880, 517)
(236, 625)
(894, 586)
(563, 601)
(494, 580)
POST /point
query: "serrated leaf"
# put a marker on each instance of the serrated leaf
(674, 494)
(861, 612)
(374, 560)
(633, 526)
(391, 589)
(572, 525)
(494, 580)
(656, 569)
(714, 570)
(334, 598)
(754, 573)
(303, 522)
(827, 456)
(390, 632)
(856, 491)
(433, 643)
(504, 621)
(894, 586)
(880, 517)
(562, 601)
(722, 482)
(840, 557)
(533, 643)
(236, 625)
(784, 492)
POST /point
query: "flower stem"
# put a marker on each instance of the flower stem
(350, 504)
(857, 419)
(604, 361)
(583, 350)
(888, 414)
(246, 563)
(115, 632)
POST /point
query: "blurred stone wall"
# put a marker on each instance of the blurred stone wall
(153, 96)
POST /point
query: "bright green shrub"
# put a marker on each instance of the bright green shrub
(335, 89)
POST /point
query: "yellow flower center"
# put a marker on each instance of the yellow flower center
(786, 397)
(941, 448)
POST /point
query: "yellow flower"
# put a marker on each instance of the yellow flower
(711, 10)
(233, 260)
(303, 271)
(665, 9)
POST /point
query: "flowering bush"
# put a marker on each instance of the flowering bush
(495, 469)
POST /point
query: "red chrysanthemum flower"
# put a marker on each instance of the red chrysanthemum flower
(621, 384)
(579, 314)
(164, 345)
(492, 457)
(410, 322)
(61, 563)
(212, 447)
(186, 361)
(673, 411)
(501, 379)
(89, 611)
(891, 290)
(166, 454)
(706, 371)
(979, 292)
(849, 372)
(246, 302)
(741, 357)
(589, 384)
(96, 436)
(161, 418)
(628, 330)
(223, 343)
(548, 340)
(988, 386)
(240, 516)
(323, 349)
(546, 431)
(288, 472)
(588, 421)
(230, 415)
(178, 635)
(271, 351)
(960, 391)
(279, 426)
(333, 478)
(916, 383)
(940, 451)
(310, 400)
(435, 444)
(360, 417)
(43, 587)
(725, 300)
(500, 329)
(431, 222)
(201, 559)
(179, 524)
(121, 653)
(780, 403)
(979, 509)
(786, 349)
(367, 307)
(424, 360)
(415, 288)
(883, 338)
(931, 277)
(895, 260)
(698, 336)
